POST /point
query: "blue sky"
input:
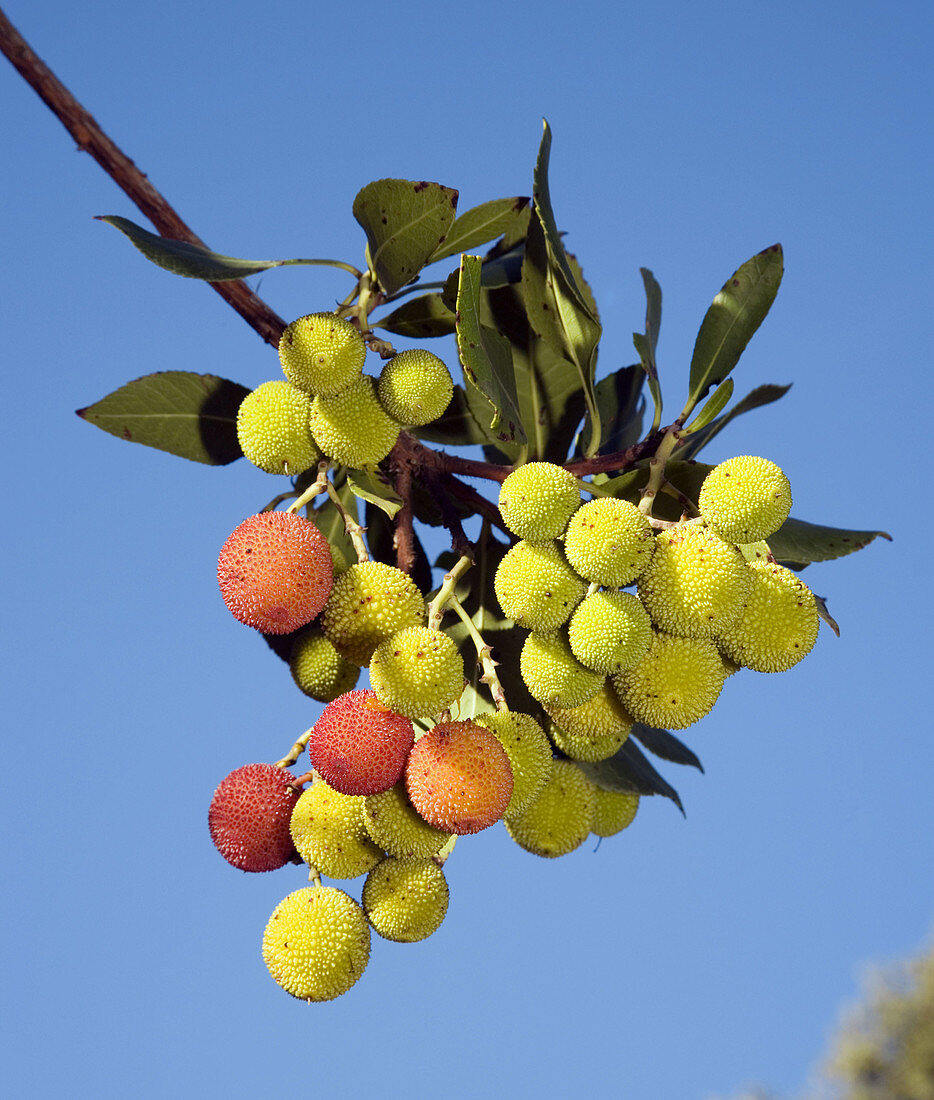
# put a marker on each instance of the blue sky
(683, 959)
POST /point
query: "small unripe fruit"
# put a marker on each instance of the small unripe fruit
(369, 603)
(458, 777)
(275, 572)
(321, 353)
(536, 587)
(675, 684)
(352, 427)
(396, 827)
(610, 631)
(317, 943)
(272, 427)
(417, 672)
(415, 387)
(560, 819)
(529, 754)
(596, 730)
(552, 673)
(329, 834)
(609, 542)
(537, 500)
(405, 899)
(318, 669)
(745, 499)
(249, 817)
(613, 811)
(358, 746)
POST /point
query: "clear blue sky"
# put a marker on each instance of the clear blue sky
(684, 959)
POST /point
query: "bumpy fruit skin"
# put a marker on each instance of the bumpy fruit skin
(321, 353)
(596, 730)
(529, 754)
(352, 427)
(613, 812)
(458, 777)
(778, 625)
(675, 684)
(745, 499)
(405, 900)
(272, 427)
(249, 817)
(560, 819)
(318, 669)
(609, 542)
(415, 387)
(695, 584)
(552, 673)
(536, 587)
(317, 943)
(396, 827)
(537, 500)
(329, 834)
(610, 631)
(358, 746)
(369, 603)
(275, 572)
(417, 672)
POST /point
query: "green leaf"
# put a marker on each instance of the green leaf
(405, 222)
(798, 543)
(733, 317)
(629, 770)
(190, 415)
(419, 318)
(456, 427)
(481, 224)
(714, 405)
(761, 395)
(647, 342)
(374, 487)
(618, 401)
(666, 746)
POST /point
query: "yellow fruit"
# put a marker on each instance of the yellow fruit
(553, 674)
(417, 672)
(695, 584)
(351, 426)
(529, 754)
(596, 730)
(745, 499)
(321, 353)
(369, 603)
(537, 500)
(536, 587)
(778, 626)
(405, 899)
(317, 943)
(318, 669)
(329, 834)
(609, 542)
(415, 387)
(675, 684)
(272, 427)
(613, 812)
(610, 631)
(396, 827)
(560, 818)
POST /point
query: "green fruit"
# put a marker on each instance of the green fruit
(369, 603)
(613, 811)
(553, 674)
(536, 587)
(272, 427)
(329, 834)
(318, 669)
(352, 427)
(415, 387)
(528, 751)
(317, 943)
(396, 827)
(778, 625)
(560, 818)
(596, 730)
(321, 353)
(405, 899)
(745, 499)
(537, 500)
(609, 542)
(675, 684)
(417, 672)
(610, 631)
(695, 584)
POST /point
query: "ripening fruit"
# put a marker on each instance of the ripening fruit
(536, 587)
(613, 811)
(778, 626)
(596, 730)
(745, 499)
(609, 542)
(275, 572)
(675, 684)
(329, 834)
(317, 943)
(560, 819)
(369, 603)
(352, 427)
(318, 669)
(537, 500)
(417, 672)
(249, 817)
(610, 631)
(415, 387)
(405, 899)
(272, 427)
(695, 584)
(458, 777)
(396, 827)
(358, 746)
(529, 754)
(552, 673)
(321, 353)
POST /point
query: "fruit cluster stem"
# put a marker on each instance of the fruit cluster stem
(295, 751)
(437, 605)
(670, 441)
(319, 486)
(354, 531)
(484, 655)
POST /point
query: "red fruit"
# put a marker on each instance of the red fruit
(458, 777)
(249, 817)
(358, 746)
(275, 572)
